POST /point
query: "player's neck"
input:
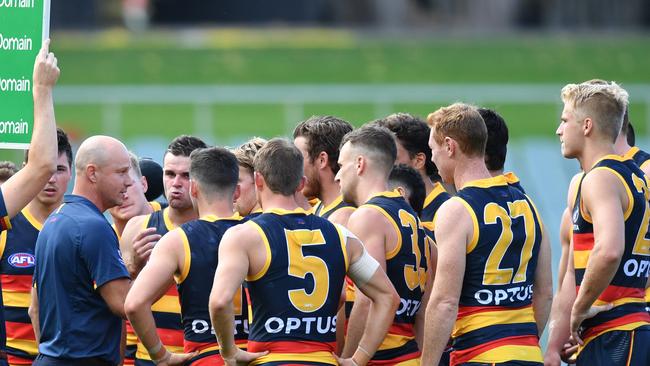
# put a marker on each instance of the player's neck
(179, 217)
(621, 146)
(469, 170)
(593, 152)
(88, 192)
(41, 211)
(428, 184)
(495, 173)
(370, 186)
(272, 200)
(218, 208)
(329, 192)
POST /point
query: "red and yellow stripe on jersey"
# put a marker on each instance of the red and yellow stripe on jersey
(626, 291)
(495, 321)
(167, 310)
(295, 297)
(16, 269)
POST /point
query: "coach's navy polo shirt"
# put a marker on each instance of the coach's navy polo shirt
(76, 252)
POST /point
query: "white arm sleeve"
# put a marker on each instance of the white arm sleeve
(361, 270)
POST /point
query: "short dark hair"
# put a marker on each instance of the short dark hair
(215, 169)
(629, 134)
(280, 163)
(63, 146)
(496, 147)
(378, 142)
(184, 145)
(323, 133)
(407, 177)
(7, 170)
(413, 133)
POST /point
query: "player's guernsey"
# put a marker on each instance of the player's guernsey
(5, 224)
(432, 203)
(406, 267)
(16, 270)
(326, 211)
(295, 297)
(513, 181)
(167, 310)
(642, 159)
(626, 291)
(201, 240)
(495, 320)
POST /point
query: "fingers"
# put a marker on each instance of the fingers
(44, 51)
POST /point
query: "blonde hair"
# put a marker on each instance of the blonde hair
(246, 152)
(463, 123)
(604, 102)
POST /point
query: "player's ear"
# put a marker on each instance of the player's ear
(401, 191)
(259, 180)
(323, 160)
(587, 126)
(145, 185)
(237, 193)
(301, 184)
(193, 188)
(360, 164)
(450, 146)
(91, 173)
(420, 160)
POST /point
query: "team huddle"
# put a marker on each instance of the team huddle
(402, 242)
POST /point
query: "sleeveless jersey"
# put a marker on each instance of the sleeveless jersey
(641, 158)
(295, 297)
(167, 310)
(326, 211)
(627, 289)
(406, 267)
(16, 270)
(495, 320)
(432, 203)
(513, 181)
(201, 240)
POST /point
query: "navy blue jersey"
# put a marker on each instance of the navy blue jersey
(5, 224)
(627, 289)
(295, 297)
(326, 211)
(201, 240)
(432, 203)
(17, 267)
(406, 267)
(495, 315)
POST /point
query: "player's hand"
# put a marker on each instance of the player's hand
(242, 357)
(552, 359)
(345, 361)
(143, 244)
(568, 352)
(46, 71)
(577, 317)
(179, 359)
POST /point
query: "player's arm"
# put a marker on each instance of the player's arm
(231, 271)
(558, 326)
(371, 280)
(605, 199)
(341, 216)
(454, 230)
(136, 244)
(421, 314)
(25, 184)
(543, 283)
(153, 281)
(565, 240)
(371, 227)
(33, 313)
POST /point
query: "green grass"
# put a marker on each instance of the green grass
(300, 56)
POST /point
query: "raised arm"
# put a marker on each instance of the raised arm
(25, 184)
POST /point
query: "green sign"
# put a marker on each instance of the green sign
(24, 24)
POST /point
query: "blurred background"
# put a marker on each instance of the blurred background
(225, 70)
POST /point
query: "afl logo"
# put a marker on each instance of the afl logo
(22, 260)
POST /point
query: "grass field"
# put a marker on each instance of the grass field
(301, 56)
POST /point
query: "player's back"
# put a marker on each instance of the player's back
(495, 320)
(295, 297)
(627, 289)
(406, 267)
(201, 239)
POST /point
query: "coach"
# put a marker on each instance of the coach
(80, 280)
